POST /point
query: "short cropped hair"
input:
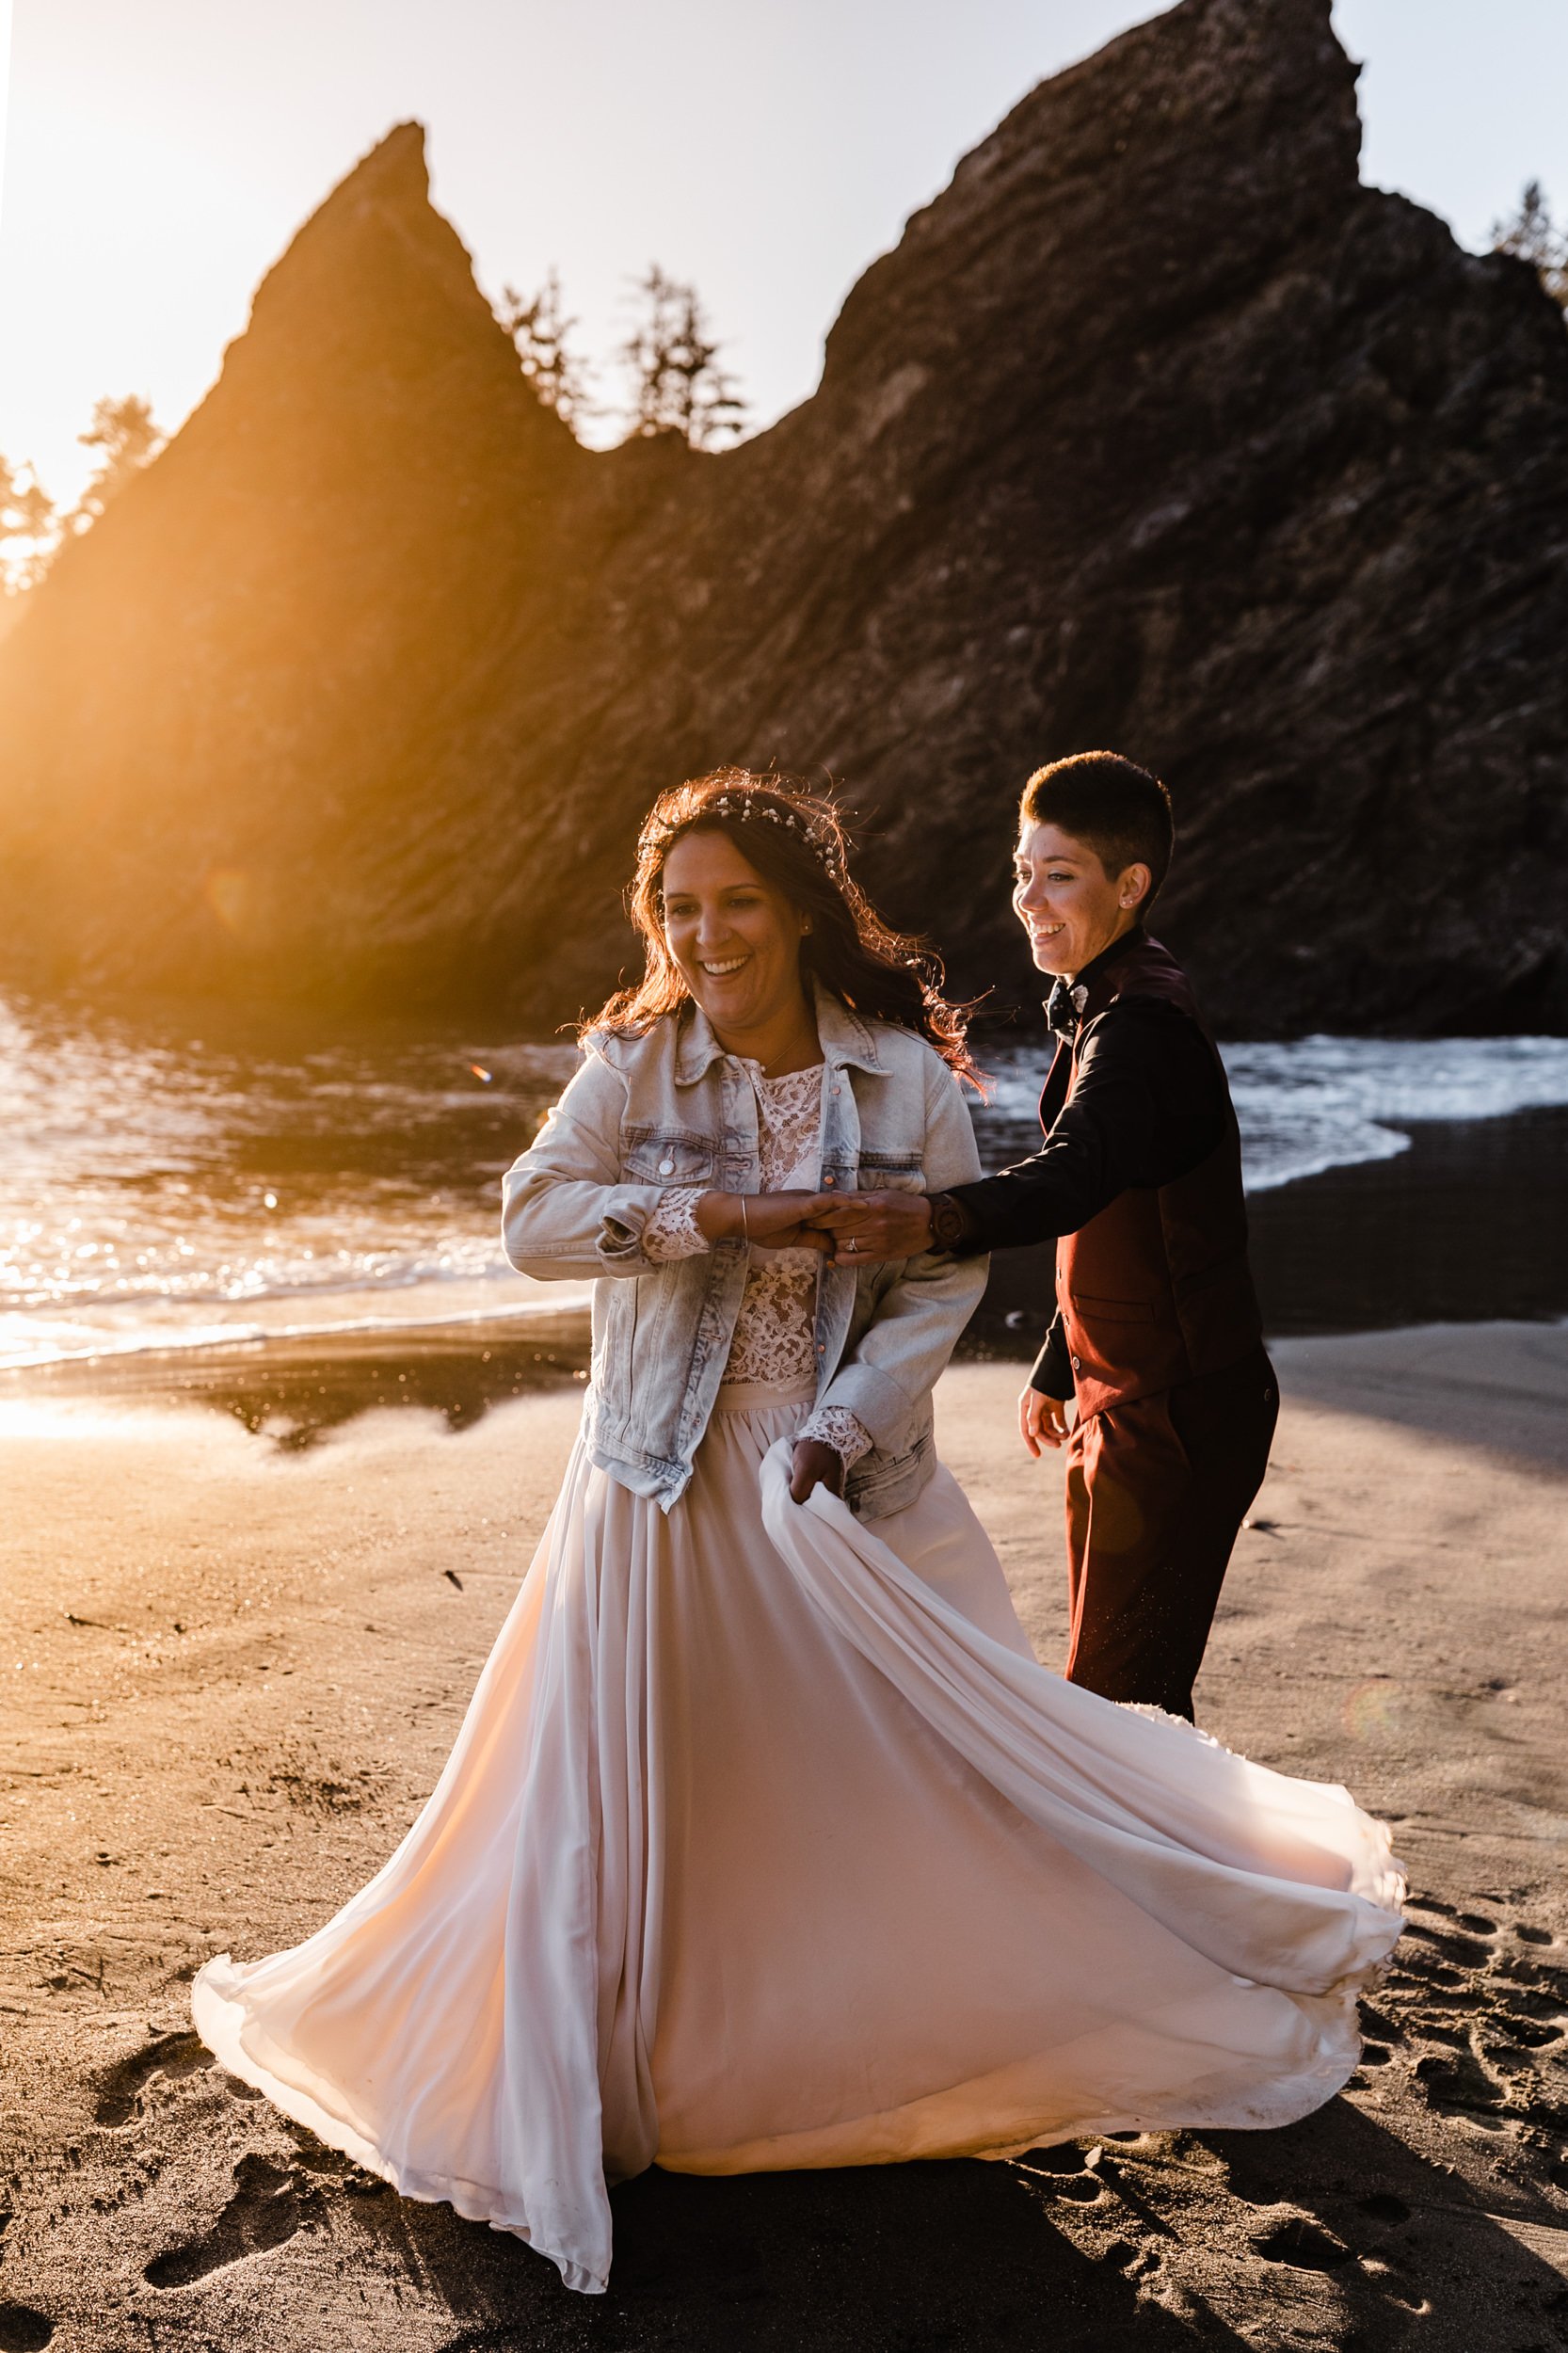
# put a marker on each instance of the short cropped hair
(1117, 809)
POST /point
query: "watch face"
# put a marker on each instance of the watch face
(947, 1222)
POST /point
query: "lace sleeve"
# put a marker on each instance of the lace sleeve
(837, 1427)
(672, 1231)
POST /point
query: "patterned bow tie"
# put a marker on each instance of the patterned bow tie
(1064, 1006)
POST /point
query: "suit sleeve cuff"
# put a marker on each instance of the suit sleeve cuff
(1053, 1372)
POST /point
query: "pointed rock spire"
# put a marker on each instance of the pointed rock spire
(1157, 429)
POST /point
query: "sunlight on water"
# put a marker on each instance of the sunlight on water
(159, 1189)
(180, 1185)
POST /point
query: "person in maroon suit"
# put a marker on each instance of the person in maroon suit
(1157, 1332)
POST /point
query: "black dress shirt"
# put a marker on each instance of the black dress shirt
(1149, 1106)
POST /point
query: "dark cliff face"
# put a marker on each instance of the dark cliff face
(1157, 430)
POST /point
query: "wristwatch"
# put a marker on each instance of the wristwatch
(950, 1223)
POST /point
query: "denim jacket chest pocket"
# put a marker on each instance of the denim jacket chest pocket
(889, 1171)
(655, 1154)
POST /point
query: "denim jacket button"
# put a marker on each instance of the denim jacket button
(666, 1168)
(826, 1183)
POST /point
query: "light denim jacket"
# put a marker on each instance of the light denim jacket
(672, 1108)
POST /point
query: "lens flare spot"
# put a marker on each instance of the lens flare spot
(484, 1074)
(231, 895)
(1372, 1710)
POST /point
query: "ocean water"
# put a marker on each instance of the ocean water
(164, 1185)
(179, 1182)
(1318, 1103)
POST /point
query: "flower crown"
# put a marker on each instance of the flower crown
(824, 842)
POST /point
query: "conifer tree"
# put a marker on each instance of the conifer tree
(1533, 237)
(540, 329)
(29, 528)
(676, 385)
(128, 438)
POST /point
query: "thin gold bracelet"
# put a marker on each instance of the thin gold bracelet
(746, 1227)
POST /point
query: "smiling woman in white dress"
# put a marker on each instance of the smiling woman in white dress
(765, 1841)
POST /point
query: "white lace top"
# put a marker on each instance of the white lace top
(775, 1330)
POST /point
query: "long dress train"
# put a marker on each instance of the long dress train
(766, 1842)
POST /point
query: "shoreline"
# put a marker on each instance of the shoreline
(1464, 1227)
(296, 1388)
(241, 1665)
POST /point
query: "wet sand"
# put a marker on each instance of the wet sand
(1466, 1225)
(234, 1667)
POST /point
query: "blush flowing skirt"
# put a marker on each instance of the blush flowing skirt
(766, 1842)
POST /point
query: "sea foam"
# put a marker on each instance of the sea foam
(1316, 1103)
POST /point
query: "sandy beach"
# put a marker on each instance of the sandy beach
(233, 1670)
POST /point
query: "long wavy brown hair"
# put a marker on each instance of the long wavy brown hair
(795, 840)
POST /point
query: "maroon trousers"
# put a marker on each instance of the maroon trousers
(1156, 1491)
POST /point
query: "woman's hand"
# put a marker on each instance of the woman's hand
(815, 1465)
(1041, 1420)
(772, 1218)
(868, 1226)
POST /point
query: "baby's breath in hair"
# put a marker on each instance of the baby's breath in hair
(823, 835)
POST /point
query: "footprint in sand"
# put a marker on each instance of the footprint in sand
(1467, 1952)
(1499, 2017)
(1296, 2239)
(1383, 2206)
(267, 2208)
(1459, 2085)
(170, 2056)
(22, 2330)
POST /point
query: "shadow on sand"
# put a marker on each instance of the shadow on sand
(1333, 2232)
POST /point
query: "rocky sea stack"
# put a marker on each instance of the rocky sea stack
(1158, 429)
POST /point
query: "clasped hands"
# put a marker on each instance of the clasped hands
(850, 1229)
(847, 1232)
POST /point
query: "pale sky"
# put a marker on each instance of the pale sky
(161, 154)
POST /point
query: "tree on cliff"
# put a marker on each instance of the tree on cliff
(676, 384)
(540, 329)
(32, 529)
(1533, 237)
(28, 527)
(128, 438)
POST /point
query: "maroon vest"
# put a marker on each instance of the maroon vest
(1155, 1289)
